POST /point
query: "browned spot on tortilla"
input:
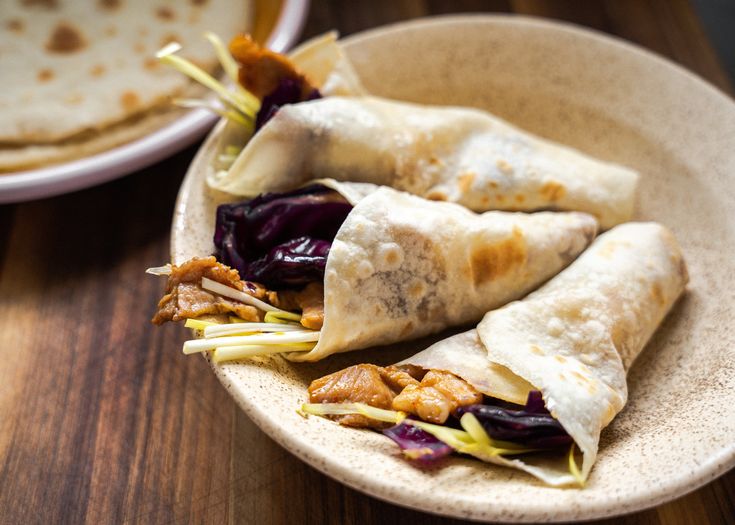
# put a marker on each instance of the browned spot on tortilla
(485, 200)
(552, 191)
(167, 39)
(111, 31)
(658, 294)
(139, 48)
(591, 388)
(562, 377)
(436, 196)
(151, 63)
(392, 258)
(500, 198)
(435, 161)
(143, 31)
(417, 289)
(65, 38)
(48, 4)
(464, 181)
(74, 98)
(97, 70)
(44, 75)
(611, 247)
(536, 350)
(504, 167)
(610, 412)
(129, 100)
(560, 358)
(165, 13)
(580, 376)
(492, 184)
(490, 262)
(110, 4)
(520, 198)
(15, 24)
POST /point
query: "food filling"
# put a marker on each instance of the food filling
(266, 276)
(186, 299)
(431, 396)
(263, 81)
(432, 413)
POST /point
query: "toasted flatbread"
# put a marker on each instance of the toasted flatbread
(75, 71)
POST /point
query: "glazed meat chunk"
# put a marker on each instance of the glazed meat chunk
(438, 395)
(186, 299)
(369, 384)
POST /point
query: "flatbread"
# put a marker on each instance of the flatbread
(73, 70)
(402, 267)
(453, 154)
(573, 339)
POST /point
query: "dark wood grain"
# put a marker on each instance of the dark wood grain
(102, 420)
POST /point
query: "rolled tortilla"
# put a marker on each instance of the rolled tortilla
(573, 339)
(402, 267)
(460, 155)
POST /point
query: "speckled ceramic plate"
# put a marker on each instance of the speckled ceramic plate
(609, 99)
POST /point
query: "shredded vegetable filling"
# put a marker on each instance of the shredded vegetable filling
(469, 423)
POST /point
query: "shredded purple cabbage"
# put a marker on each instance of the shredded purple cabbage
(425, 448)
(288, 91)
(280, 239)
(533, 426)
(292, 263)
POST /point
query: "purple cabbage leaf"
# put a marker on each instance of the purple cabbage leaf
(417, 444)
(533, 426)
(288, 91)
(280, 239)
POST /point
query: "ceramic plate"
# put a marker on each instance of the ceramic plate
(172, 137)
(616, 102)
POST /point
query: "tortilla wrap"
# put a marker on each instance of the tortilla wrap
(453, 154)
(76, 71)
(401, 267)
(573, 339)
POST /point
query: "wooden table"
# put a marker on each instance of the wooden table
(101, 417)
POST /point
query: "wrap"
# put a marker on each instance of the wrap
(461, 155)
(573, 339)
(401, 267)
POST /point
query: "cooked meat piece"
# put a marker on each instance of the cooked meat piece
(262, 69)
(186, 299)
(425, 402)
(414, 371)
(397, 378)
(310, 301)
(284, 299)
(356, 384)
(457, 390)
(277, 300)
(438, 395)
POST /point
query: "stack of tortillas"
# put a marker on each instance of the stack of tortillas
(81, 77)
